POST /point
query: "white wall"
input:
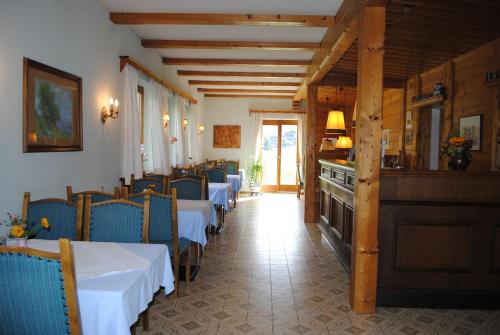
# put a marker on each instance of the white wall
(75, 36)
(232, 111)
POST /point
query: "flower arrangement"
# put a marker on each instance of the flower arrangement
(22, 229)
(173, 139)
(456, 146)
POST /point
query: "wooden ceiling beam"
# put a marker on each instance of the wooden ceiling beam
(335, 43)
(190, 44)
(248, 96)
(240, 74)
(222, 19)
(350, 80)
(241, 83)
(243, 90)
(233, 62)
(277, 111)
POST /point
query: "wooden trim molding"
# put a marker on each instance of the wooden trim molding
(237, 90)
(241, 83)
(241, 74)
(124, 60)
(192, 44)
(222, 19)
(277, 111)
(248, 96)
(250, 62)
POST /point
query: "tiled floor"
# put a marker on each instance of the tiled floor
(268, 273)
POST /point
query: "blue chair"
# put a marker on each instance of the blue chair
(232, 167)
(217, 175)
(163, 229)
(158, 176)
(96, 195)
(65, 217)
(38, 291)
(189, 188)
(178, 172)
(118, 221)
(153, 184)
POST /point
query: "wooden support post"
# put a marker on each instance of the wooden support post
(447, 111)
(369, 135)
(311, 200)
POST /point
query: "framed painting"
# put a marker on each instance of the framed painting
(227, 136)
(470, 129)
(52, 117)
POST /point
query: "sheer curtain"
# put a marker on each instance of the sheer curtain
(192, 135)
(180, 111)
(301, 140)
(131, 149)
(257, 133)
(155, 143)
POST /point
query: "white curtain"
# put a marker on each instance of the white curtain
(155, 142)
(301, 140)
(257, 133)
(131, 149)
(180, 111)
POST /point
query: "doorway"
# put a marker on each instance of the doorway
(428, 140)
(279, 155)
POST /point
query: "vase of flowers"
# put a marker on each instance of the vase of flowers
(21, 230)
(457, 149)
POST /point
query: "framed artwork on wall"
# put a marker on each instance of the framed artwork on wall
(470, 129)
(227, 136)
(52, 109)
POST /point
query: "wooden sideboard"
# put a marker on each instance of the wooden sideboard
(439, 237)
(337, 205)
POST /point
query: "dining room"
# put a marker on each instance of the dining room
(211, 167)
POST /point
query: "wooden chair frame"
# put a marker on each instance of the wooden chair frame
(236, 164)
(68, 272)
(153, 180)
(145, 226)
(69, 193)
(79, 210)
(222, 168)
(204, 183)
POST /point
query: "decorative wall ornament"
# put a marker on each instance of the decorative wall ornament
(227, 136)
(470, 129)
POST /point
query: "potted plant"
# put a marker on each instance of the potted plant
(256, 171)
(457, 149)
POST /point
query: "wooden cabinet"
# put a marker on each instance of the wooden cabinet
(336, 206)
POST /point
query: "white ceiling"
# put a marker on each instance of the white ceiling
(231, 33)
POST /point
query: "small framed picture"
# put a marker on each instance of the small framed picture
(470, 129)
(408, 137)
(52, 109)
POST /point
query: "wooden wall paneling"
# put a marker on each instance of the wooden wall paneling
(371, 30)
(311, 200)
(447, 109)
(393, 119)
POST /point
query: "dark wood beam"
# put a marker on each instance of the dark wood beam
(189, 44)
(237, 90)
(250, 62)
(241, 83)
(311, 205)
(223, 19)
(241, 74)
(350, 80)
(248, 96)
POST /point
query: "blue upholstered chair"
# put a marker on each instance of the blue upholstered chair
(163, 229)
(217, 175)
(37, 292)
(178, 172)
(96, 195)
(65, 217)
(158, 176)
(189, 188)
(232, 167)
(153, 184)
(118, 221)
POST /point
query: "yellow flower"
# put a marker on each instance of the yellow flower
(17, 231)
(45, 223)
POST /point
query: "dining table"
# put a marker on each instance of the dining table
(236, 181)
(193, 217)
(115, 281)
(220, 194)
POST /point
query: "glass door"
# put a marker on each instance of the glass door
(279, 155)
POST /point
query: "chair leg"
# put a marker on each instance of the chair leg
(188, 267)
(176, 277)
(145, 319)
(133, 329)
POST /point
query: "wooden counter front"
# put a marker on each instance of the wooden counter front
(439, 236)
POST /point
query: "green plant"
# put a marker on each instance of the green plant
(256, 171)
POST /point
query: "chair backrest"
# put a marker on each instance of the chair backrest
(153, 184)
(157, 176)
(232, 167)
(65, 217)
(38, 291)
(211, 163)
(190, 188)
(120, 221)
(162, 215)
(178, 172)
(97, 196)
(217, 175)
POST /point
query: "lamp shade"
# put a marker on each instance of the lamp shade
(335, 124)
(344, 142)
(355, 114)
(326, 145)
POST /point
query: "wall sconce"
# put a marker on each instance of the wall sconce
(184, 123)
(166, 118)
(201, 129)
(113, 110)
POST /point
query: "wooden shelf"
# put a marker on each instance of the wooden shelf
(435, 100)
(491, 83)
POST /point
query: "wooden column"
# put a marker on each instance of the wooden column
(310, 178)
(369, 135)
(447, 110)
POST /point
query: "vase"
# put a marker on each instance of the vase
(459, 162)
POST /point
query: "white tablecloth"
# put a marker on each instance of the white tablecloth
(115, 281)
(242, 176)
(235, 181)
(193, 216)
(220, 193)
